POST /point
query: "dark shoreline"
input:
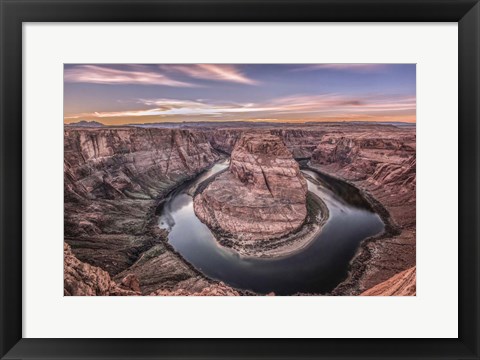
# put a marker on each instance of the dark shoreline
(317, 216)
(153, 228)
(390, 228)
(362, 255)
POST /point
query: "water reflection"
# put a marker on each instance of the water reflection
(317, 268)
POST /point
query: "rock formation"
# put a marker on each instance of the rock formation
(224, 139)
(212, 290)
(301, 141)
(381, 161)
(131, 163)
(402, 284)
(262, 195)
(114, 179)
(160, 267)
(81, 279)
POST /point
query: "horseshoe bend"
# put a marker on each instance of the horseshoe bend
(239, 179)
(261, 197)
(222, 191)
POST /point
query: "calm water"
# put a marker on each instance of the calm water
(318, 268)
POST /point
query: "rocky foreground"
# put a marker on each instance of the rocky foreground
(82, 279)
(261, 197)
(115, 178)
(402, 284)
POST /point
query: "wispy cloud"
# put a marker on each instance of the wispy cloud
(362, 68)
(228, 73)
(133, 74)
(173, 107)
(332, 106)
(341, 103)
(249, 92)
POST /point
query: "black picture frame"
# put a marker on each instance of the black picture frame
(15, 12)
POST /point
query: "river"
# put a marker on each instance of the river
(316, 268)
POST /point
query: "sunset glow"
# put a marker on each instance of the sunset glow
(134, 94)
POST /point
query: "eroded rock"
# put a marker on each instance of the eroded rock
(82, 279)
(262, 195)
(301, 141)
(401, 284)
(114, 179)
(381, 161)
(219, 289)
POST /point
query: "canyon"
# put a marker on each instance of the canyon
(260, 198)
(116, 179)
(383, 165)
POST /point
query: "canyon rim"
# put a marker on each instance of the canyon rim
(239, 180)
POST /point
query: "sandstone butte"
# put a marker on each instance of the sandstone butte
(261, 196)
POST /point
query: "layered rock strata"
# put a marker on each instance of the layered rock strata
(114, 179)
(262, 196)
(82, 279)
(381, 161)
(301, 141)
(212, 290)
(401, 284)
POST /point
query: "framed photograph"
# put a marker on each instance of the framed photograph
(239, 179)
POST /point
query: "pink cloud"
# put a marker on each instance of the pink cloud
(344, 67)
(298, 106)
(137, 74)
(328, 103)
(228, 73)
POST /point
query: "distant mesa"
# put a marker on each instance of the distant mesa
(234, 124)
(85, 123)
(261, 196)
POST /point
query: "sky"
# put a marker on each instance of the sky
(115, 94)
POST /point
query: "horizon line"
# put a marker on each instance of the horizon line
(241, 121)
